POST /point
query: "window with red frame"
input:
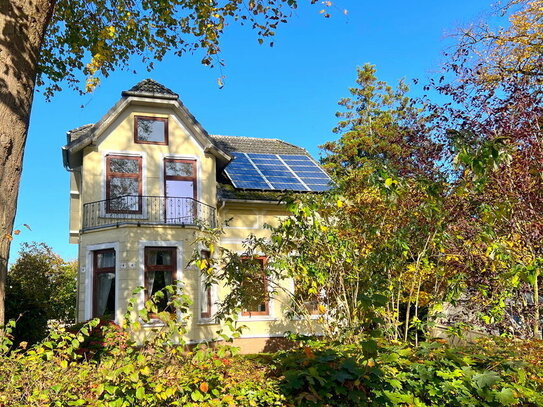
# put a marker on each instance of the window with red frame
(257, 284)
(160, 271)
(151, 130)
(123, 184)
(104, 284)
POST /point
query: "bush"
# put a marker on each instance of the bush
(98, 364)
(490, 372)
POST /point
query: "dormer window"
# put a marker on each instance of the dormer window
(151, 130)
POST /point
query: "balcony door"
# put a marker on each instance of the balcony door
(180, 191)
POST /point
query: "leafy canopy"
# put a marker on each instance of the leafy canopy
(96, 37)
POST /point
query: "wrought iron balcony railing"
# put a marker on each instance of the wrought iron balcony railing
(147, 210)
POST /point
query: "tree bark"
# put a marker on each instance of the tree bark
(23, 24)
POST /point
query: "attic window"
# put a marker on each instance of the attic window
(151, 130)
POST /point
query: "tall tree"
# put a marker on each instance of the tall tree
(515, 51)
(49, 41)
(387, 164)
(498, 140)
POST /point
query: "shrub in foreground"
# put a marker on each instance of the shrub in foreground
(55, 373)
(98, 364)
(491, 372)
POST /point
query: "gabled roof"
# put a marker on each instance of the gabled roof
(146, 92)
(232, 144)
(279, 175)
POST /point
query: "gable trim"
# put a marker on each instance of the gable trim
(189, 121)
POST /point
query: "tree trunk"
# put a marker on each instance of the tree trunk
(22, 28)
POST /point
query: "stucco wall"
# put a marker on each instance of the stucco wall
(130, 241)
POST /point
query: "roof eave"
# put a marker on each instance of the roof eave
(253, 201)
(153, 95)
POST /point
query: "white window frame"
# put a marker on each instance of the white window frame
(89, 278)
(179, 271)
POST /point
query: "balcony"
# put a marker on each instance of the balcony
(147, 210)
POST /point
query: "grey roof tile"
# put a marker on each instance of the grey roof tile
(150, 87)
(79, 132)
(232, 144)
(226, 191)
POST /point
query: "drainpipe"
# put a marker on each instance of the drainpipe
(66, 159)
(220, 208)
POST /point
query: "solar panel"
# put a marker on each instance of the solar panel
(277, 172)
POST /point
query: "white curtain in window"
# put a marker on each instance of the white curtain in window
(104, 287)
(150, 280)
(168, 280)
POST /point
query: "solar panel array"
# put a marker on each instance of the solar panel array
(276, 172)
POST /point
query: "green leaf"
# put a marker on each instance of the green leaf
(196, 396)
(506, 397)
(486, 379)
(369, 347)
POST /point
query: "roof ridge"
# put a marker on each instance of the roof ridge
(259, 138)
(253, 138)
(150, 87)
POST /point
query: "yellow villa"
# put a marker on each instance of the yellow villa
(143, 181)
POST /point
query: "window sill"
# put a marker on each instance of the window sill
(247, 318)
(312, 317)
(207, 321)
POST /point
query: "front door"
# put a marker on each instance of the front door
(180, 191)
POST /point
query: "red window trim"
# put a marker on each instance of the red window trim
(266, 311)
(160, 119)
(97, 271)
(193, 178)
(147, 267)
(111, 174)
(207, 292)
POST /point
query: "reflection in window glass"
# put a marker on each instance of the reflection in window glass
(159, 257)
(178, 169)
(105, 259)
(151, 130)
(256, 285)
(205, 292)
(123, 165)
(123, 184)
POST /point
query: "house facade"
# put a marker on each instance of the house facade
(146, 179)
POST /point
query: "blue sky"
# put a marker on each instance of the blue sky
(289, 91)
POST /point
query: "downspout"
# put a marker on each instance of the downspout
(66, 159)
(219, 209)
